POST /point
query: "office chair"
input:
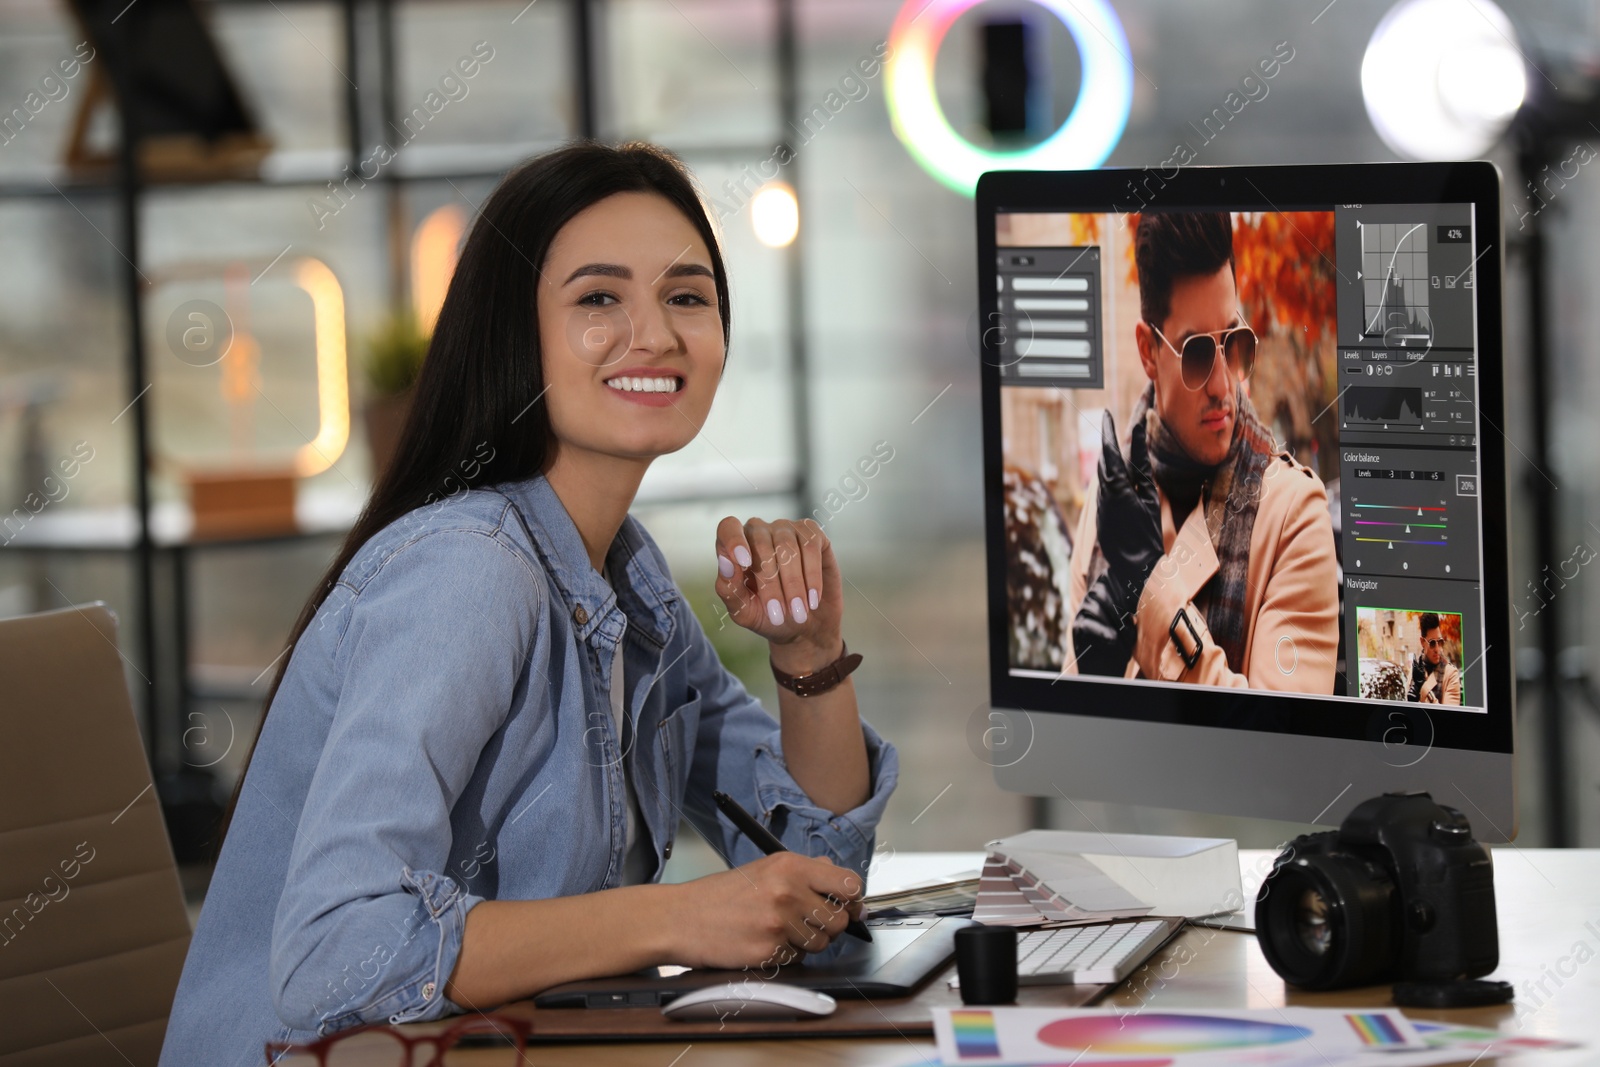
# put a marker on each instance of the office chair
(93, 929)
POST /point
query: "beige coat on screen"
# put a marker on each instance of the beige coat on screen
(1291, 598)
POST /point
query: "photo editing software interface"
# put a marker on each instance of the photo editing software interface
(1308, 418)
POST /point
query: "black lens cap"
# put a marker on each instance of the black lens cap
(1466, 993)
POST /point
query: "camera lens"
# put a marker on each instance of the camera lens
(1326, 921)
(1311, 922)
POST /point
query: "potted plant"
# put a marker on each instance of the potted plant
(394, 359)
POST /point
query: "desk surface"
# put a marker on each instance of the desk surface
(1549, 913)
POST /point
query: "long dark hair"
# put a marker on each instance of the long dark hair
(482, 379)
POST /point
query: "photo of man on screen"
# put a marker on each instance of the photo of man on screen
(1204, 553)
(1434, 679)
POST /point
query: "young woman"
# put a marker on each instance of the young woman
(498, 706)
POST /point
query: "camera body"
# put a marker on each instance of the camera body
(1400, 891)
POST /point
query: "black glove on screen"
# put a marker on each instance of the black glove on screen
(1419, 675)
(1128, 521)
(1103, 632)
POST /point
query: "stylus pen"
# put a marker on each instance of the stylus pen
(764, 839)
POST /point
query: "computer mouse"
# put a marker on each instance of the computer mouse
(750, 998)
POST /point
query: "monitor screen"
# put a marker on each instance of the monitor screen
(1239, 452)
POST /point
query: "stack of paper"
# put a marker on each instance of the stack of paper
(926, 898)
(1059, 876)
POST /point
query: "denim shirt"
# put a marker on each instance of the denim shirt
(443, 736)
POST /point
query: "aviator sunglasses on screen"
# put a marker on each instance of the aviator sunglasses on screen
(1199, 353)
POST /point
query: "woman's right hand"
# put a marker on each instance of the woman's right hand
(764, 913)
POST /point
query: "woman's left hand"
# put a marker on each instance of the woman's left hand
(780, 580)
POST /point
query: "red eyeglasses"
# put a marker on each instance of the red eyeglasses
(383, 1046)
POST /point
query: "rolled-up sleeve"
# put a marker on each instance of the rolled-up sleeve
(369, 925)
(739, 750)
(847, 839)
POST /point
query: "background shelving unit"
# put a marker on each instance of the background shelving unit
(159, 656)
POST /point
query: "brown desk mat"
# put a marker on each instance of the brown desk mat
(906, 1016)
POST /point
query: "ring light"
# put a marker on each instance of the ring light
(1083, 141)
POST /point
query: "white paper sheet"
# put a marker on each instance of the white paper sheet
(1100, 1037)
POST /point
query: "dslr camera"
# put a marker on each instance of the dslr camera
(1400, 892)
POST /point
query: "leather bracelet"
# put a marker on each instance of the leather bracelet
(819, 681)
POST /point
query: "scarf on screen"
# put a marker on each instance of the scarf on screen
(1230, 493)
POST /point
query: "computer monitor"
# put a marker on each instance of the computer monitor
(1282, 589)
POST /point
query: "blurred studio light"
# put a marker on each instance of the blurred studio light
(1091, 130)
(775, 215)
(333, 377)
(435, 246)
(1442, 79)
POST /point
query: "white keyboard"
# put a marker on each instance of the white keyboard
(1089, 955)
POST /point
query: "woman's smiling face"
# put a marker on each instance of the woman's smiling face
(629, 329)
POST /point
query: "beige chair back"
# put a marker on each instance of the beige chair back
(93, 929)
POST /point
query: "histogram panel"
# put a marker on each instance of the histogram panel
(1394, 282)
(1388, 407)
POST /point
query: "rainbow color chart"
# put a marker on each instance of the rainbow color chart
(1106, 1037)
(975, 1034)
(1165, 1033)
(1375, 1029)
